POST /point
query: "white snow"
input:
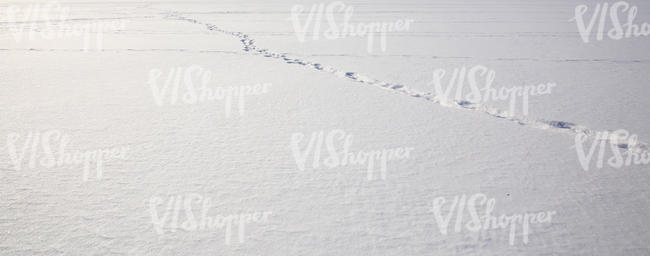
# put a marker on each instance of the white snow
(237, 155)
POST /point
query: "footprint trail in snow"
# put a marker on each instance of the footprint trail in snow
(558, 126)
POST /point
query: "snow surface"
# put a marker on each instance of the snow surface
(245, 163)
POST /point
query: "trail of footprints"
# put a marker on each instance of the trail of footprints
(558, 126)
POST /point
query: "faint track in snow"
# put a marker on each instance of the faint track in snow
(121, 50)
(74, 20)
(553, 125)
